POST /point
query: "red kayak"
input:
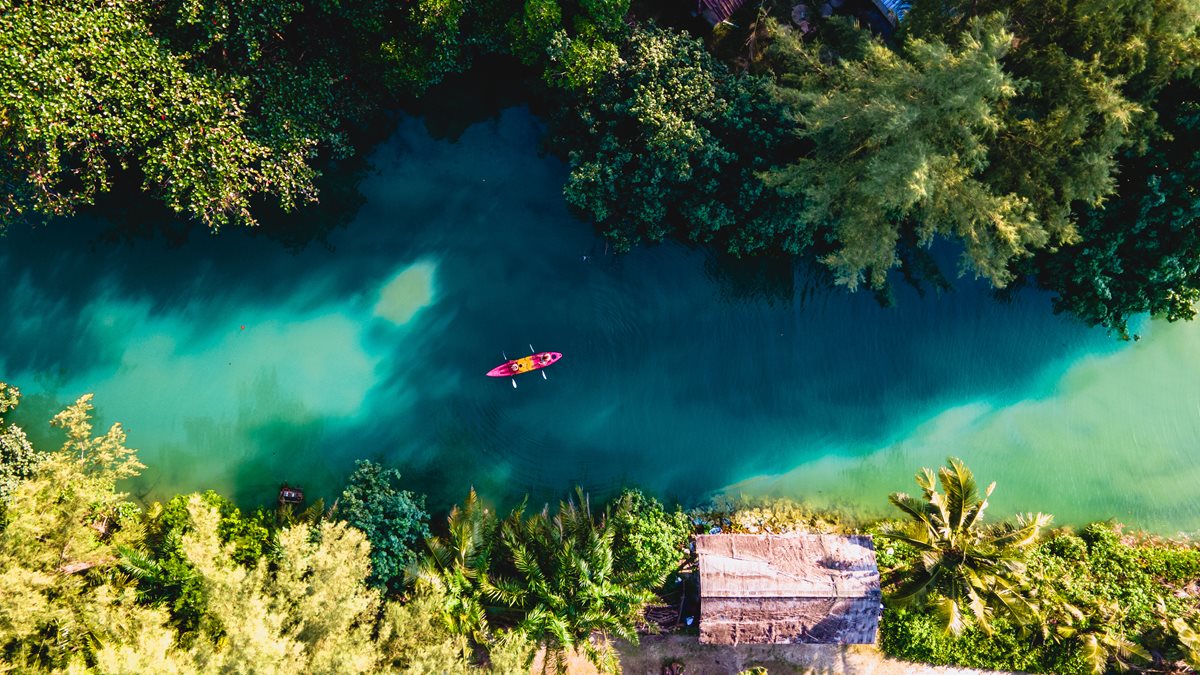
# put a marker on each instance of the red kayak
(527, 364)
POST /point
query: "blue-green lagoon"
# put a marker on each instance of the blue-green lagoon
(237, 362)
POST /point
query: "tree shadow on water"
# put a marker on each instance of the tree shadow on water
(778, 280)
(130, 214)
(481, 93)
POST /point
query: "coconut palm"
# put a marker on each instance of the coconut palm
(963, 568)
(458, 565)
(556, 576)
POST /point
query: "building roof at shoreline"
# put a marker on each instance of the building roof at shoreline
(716, 11)
(815, 588)
(893, 10)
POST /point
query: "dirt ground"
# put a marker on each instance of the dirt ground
(656, 651)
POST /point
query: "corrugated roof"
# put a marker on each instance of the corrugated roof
(716, 11)
(788, 588)
(894, 10)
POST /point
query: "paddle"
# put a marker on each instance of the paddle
(543, 372)
(514, 380)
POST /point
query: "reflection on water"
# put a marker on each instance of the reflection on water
(237, 363)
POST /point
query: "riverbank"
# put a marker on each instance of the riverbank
(654, 654)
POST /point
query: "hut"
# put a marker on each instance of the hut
(778, 589)
(893, 10)
(716, 11)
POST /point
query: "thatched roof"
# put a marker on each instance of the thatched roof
(788, 588)
(716, 11)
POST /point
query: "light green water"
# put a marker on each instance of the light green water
(1108, 435)
(237, 363)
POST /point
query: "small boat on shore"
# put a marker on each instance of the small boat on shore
(526, 364)
(290, 495)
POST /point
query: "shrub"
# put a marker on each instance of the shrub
(394, 520)
(649, 542)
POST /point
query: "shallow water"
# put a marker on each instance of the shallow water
(237, 363)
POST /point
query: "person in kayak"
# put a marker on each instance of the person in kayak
(545, 358)
(516, 367)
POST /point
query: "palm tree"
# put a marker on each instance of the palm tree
(459, 564)
(556, 576)
(286, 515)
(966, 570)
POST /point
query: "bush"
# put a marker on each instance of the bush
(1172, 565)
(914, 635)
(394, 520)
(1124, 589)
(649, 542)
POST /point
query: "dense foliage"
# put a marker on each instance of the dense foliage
(1140, 252)
(18, 459)
(1054, 139)
(1102, 140)
(87, 89)
(649, 542)
(394, 520)
(553, 576)
(562, 580)
(671, 143)
(1108, 602)
(165, 573)
(999, 598)
(91, 582)
(900, 142)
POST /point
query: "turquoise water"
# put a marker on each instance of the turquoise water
(237, 362)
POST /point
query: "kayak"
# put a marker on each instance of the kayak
(527, 364)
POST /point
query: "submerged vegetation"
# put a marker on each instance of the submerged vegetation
(95, 581)
(1053, 143)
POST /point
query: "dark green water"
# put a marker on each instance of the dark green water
(236, 362)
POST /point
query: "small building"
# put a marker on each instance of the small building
(778, 589)
(893, 10)
(716, 11)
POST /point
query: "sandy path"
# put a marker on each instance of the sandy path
(654, 652)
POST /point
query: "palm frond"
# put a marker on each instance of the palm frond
(915, 508)
(949, 615)
(1094, 654)
(139, 564)
(1189, 640)
(976, 515)
(959, 484)
(926, 480)
(919, 584)
(898, 534)
(1026, 532)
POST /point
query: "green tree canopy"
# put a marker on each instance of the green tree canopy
(64, 526)
(394, 520)
(900, 143)
(18, 459)
(86, 89)
(217, 106)
(1140, 251)
(670, 144)
(554, 579)
(649, 542)
(457, 563)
